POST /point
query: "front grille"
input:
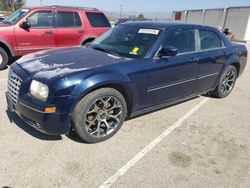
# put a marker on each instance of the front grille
(14, 84)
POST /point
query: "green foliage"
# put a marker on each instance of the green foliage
(141, 16)
(11, 5)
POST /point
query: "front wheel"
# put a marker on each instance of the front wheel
(99, 115)
(226, 83)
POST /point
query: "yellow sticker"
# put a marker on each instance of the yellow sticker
(135, 50)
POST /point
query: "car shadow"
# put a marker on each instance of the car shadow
(14, 118)
(209, 95)
(72, 135)
(13, 59)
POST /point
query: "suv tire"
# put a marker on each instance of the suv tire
(3, 59)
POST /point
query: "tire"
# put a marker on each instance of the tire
(87, 43)
(99, 115)
(3, 59)
(226, 83)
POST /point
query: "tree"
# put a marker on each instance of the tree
(11, 5)
(140, 16)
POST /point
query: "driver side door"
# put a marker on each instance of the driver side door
(40, 35)
(174, 77)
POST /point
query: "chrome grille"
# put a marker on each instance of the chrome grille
(14, 84)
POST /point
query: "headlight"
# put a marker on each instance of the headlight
(39, 90)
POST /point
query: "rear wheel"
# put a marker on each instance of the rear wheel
(226, 83)
(99, 115)
(88, 42)
(3, 59)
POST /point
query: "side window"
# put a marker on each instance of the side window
(41, 19)
(209, 40)
(78, 22)
(68, 19)
(97, 19)
(183, 40)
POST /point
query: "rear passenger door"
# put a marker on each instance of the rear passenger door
(174, 77)
(212, 57)
(69, 28)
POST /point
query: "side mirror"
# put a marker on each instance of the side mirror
(25, 25)
(168, 51)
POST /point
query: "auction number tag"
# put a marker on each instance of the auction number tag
(149, 31)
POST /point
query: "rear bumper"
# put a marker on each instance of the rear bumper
(49, 123)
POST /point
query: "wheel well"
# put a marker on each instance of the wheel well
(88, 40)
(237, 66)
(123, 90)
(7, 50)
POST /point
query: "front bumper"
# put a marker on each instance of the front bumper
(49, 123)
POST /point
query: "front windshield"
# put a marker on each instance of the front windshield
(13, 18)
(127, 41)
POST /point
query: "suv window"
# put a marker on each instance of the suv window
(41, 19)
(78, 22)
(97, 19)
(209, 40)
(68, 19)
(183, 40)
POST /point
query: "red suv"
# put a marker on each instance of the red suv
(32, 29)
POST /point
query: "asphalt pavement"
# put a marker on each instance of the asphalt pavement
(203, 142)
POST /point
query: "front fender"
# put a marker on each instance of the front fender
(101, 80)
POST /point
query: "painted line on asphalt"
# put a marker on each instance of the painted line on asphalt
(3, 80)
(110, 181)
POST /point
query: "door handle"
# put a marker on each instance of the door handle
(194, 59)
(81, 31)
(48, 32)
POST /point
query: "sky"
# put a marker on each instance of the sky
(144, 5)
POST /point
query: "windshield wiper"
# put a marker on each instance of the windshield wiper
(105, 50)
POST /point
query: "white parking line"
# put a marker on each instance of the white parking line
(149, 147)
(3, 80)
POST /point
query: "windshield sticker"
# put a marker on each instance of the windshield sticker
(149, 31)
(134, 51)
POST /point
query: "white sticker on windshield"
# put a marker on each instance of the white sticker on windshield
(149, 31)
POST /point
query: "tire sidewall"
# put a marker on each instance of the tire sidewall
(5, 58)
(227, 69)
(83, 107)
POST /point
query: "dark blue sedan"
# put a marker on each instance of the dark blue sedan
(132, 69)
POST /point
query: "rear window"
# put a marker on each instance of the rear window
(68, 19)
(97, 19)
(210, 40)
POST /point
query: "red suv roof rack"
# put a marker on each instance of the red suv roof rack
(81, 8)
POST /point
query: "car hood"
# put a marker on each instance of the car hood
(58, 62)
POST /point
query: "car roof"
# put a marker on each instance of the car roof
(65, 7)
(163, 25)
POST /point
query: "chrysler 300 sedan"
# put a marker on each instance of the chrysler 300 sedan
(132, 69)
